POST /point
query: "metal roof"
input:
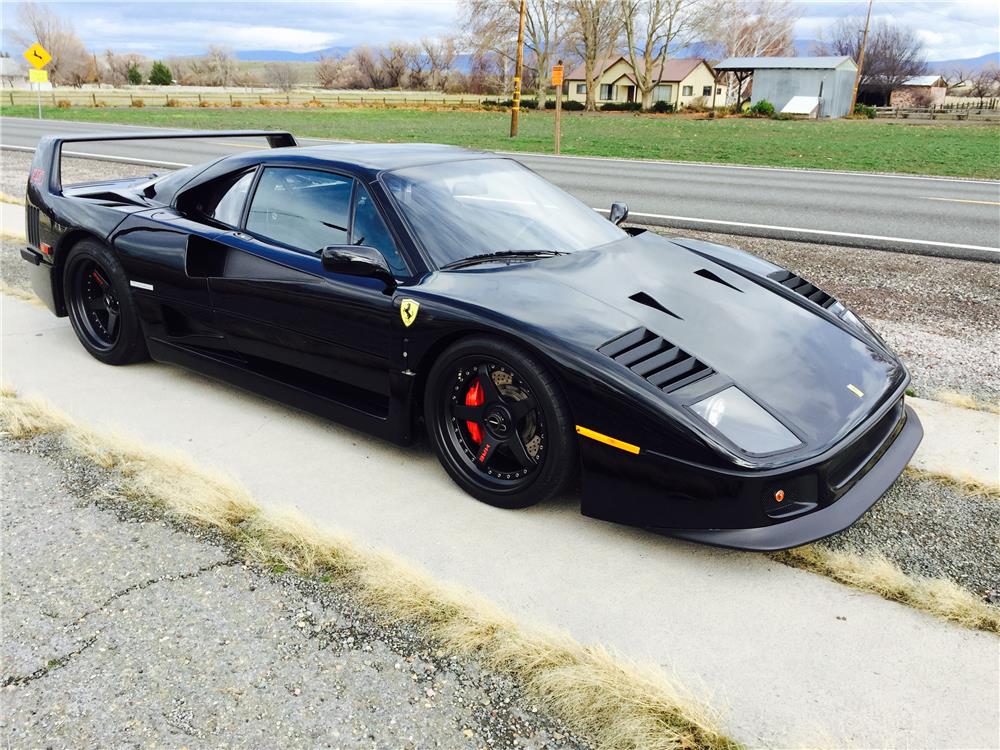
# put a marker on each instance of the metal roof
(923, 81)
(783, 63)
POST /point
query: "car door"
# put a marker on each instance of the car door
(173, 298)
(285, 314)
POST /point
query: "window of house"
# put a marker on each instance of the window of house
(706, 91)
(687, 91)
(607, 90)
(663, 93)
(303, 208)
(719, 90)
(581, 88)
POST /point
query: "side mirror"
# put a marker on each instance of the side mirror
(619, 212)
(357, 260)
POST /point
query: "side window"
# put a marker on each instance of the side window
(369, 229)
(303, 208)
(229, 209)
(220, 201)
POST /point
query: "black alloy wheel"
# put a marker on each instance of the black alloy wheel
(498, 423)
(100, 305)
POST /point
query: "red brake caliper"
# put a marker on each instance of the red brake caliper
(474, 397)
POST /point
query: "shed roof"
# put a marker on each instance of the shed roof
(785, 63)
(675, 69)
(924, 81)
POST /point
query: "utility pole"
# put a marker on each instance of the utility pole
(861, 58)
(516, 109)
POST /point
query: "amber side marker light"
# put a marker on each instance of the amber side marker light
(607, 440)
(779, 495)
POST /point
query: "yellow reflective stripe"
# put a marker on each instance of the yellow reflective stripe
(613, 442)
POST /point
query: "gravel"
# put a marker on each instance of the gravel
(932, 529)
(124, 628)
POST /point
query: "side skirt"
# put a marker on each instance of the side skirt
(395, 426)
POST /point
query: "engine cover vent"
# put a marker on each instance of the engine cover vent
(652, 357)
(800, 286)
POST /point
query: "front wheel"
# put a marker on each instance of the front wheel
(100, 305)
(499, 423)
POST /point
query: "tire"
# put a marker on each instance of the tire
(100, 305)
(499, 423)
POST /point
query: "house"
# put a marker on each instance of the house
(828, 82)
(680, 82)
(920, 91)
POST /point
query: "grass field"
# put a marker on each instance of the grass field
(868, 146)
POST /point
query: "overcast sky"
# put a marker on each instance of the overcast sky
(950, 28)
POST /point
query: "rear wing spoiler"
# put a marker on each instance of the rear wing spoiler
(46, 167)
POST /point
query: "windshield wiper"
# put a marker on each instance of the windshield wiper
(502, 255)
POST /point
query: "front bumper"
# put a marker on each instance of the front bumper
(829, 520)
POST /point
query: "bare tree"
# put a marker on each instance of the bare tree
(282, 75)
(216, 68)
(369, 68)
(985, 82)
(893, 54)
(652, 29)
(441, 55)
(328, 71)
(594, 30)
(494, 23)
(416, 66)
(70, 60)
(955, 77)
(116, 66)
(763, 29)
(393, 61)
(246, 78)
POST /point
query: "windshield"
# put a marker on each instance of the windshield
(459, 209)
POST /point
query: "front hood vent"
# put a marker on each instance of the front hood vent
(652, 357)
(800, 286)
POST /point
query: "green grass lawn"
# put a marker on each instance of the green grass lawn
(861, 145)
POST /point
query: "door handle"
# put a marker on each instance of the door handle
(241, 235)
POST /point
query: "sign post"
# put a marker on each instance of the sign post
(516, 108)
(557, 80)
(39, 57)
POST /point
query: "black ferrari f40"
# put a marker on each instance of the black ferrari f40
(413, 290)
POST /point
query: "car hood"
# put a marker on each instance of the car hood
(788, 356)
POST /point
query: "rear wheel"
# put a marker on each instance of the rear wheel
(100, 305)
(498, 423)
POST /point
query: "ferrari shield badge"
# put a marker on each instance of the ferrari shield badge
(408, 311)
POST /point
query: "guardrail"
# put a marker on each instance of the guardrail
(173, 98)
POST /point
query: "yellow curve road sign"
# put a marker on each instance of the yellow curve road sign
(38, 56)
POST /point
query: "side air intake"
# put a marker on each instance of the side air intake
(652, 357)
(32, 220)
(800, 286)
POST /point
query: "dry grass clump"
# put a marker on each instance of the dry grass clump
(14, 199)
(965, 483)
(17, 292)
(965, 401)
(875, 573)
(613, 703)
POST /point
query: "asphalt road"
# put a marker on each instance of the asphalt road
(928, 215)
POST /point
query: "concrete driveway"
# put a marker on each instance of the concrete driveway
(788, 656)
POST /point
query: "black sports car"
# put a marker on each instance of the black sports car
(407, 289)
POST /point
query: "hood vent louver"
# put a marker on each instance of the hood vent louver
(652, 357)
(800, 286)
(706, 274)
(644, 299)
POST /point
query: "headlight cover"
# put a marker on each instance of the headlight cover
(745, 422)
